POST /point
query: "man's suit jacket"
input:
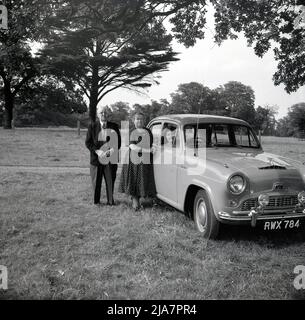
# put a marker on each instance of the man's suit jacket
(92, 142)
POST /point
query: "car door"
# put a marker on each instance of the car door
(165, 166)
(156, 130)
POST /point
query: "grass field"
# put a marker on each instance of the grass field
(57, 245)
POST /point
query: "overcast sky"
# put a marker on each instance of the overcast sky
(214, 66)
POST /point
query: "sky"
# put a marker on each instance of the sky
(214, 65)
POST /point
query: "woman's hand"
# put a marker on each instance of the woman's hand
(100, 153)
(110, 152)
(135, 148)
(154, 148)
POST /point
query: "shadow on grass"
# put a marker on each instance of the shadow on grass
(157, 204)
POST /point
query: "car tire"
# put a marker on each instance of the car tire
(204, 217)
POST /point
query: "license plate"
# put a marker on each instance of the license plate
(281, 224)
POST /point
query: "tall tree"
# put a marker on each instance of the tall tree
(296, 116)
(17, 64)
(266, 24)
(265, 119)
(150, 111)
(119, 112)
(195, 98)
(102, 45)
(239, 100)
(46, 100)
(17, 67)
(232, 99)
(284, 128)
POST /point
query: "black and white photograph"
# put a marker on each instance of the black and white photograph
(152, 150)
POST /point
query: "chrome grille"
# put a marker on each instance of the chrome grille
(273, 167)
(274, 202)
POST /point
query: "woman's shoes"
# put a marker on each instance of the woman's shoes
(136, 205)
(138, 208)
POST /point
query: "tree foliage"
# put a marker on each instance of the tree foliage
(294, 123)
(296, 116)
(283, 128)
(100, 46)
(239, 100)
(17, 64)
(267, 24)
(193, 97)
(150, 111)
(265, 119)
(40, 102)
(232, 99)
(119, 112)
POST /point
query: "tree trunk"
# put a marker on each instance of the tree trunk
(94, 93)
(93, 106)
(8, 109)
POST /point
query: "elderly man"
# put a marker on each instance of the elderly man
(104, 141)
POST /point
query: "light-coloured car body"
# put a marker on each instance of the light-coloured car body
(280, 179)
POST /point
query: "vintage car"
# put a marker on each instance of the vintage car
(214, 169)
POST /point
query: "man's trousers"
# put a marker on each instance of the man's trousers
(97, 173)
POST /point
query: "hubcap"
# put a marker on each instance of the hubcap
(201, 215)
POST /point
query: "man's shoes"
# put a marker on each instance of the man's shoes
(98, 204)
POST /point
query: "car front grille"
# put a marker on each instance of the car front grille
(273, 167)
(275, 202)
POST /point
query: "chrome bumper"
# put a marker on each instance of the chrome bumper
(253, 216)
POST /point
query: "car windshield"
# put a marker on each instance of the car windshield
(205, 135)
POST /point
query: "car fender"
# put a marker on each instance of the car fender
(201, 185)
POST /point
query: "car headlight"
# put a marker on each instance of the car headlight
(301, 198)
(237, 184)
(263, 200)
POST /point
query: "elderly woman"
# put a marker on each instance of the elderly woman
(137, 177)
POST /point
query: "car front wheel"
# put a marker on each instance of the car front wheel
(204, 218)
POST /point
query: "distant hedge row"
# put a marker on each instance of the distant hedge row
(49, 119)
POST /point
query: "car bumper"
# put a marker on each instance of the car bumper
(245, 217)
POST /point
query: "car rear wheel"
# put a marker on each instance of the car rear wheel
(204, 218)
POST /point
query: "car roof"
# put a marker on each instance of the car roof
(203, 118)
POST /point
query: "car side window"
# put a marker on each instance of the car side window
(170, 135)
(189, 136)
(244, 137)
(220, 135)
(241, 136)
(196, 136)
(156, 130)
(253, 142)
